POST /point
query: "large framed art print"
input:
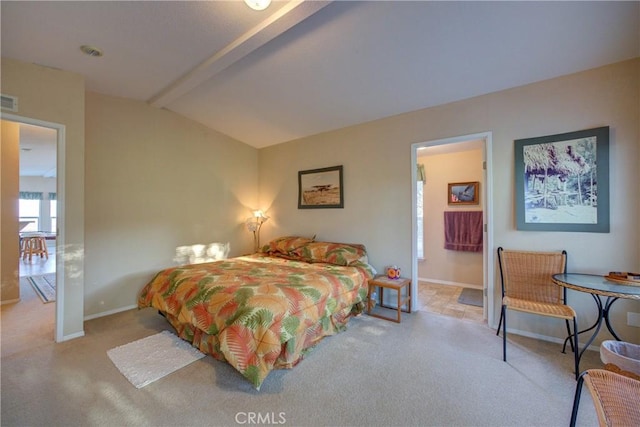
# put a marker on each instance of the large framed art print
(562, 182)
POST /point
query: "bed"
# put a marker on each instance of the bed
(264, 311)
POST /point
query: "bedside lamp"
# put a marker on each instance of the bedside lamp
(253, 224)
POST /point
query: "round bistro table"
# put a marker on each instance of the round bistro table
(597, 287)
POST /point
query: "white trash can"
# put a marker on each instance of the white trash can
(624, 355)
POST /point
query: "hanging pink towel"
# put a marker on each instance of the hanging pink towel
(463, 231)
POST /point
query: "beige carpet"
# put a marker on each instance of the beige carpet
(430, 370)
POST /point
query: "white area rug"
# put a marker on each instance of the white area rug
(45, 286)
(149, 359)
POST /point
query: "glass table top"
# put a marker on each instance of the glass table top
(597, 284)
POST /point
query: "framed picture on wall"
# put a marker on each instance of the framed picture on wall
(562, 182)
(320, 188)
(463, 193)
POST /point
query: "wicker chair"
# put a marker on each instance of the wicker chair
(615, 396)
(527, 287)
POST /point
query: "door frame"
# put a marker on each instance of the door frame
(486, 193)
(60, 216)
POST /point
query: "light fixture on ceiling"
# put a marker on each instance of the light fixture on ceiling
(91, 50)
(254, 224)
(258, 4)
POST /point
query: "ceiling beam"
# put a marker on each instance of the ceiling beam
(280, 21)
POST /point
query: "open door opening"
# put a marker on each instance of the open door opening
(443, 267)
(38, 216)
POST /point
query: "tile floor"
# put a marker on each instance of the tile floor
(443, 299)
(39, 265)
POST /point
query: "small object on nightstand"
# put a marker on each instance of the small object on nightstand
(393, 272)
(383, 282)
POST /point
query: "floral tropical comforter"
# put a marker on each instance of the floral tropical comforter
(258, 312)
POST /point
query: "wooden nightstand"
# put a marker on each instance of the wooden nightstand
(383, 282)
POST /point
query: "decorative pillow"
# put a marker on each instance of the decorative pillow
(332, 253)
(286, 245)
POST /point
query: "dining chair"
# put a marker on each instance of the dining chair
(615, 397)
(527, 287)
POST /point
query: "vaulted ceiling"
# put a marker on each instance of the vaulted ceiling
(302, 68)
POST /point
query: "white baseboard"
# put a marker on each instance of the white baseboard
(447, 282)
(110, 312)
(72, 336)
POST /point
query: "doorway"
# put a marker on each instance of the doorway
(483, 276)
(50, 218)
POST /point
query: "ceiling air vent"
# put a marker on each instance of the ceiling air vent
(9, 103)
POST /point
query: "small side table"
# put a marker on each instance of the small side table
(383, 282)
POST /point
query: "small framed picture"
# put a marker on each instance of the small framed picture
(463, 193)
(320, 188)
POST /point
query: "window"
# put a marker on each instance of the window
(29, 210)
(420, 218)
(53, 205)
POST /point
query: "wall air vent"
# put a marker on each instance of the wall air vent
(9, 103)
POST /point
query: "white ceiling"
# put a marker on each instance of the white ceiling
(37, 151)
(295, 70)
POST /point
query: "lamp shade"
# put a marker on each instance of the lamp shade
(253, 224)
(255, 221)
(260, 216)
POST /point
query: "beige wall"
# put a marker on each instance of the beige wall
(131, 149)
(56, 96)
(377, 178)
(439, 264)
(9, 179)
(155, 181)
